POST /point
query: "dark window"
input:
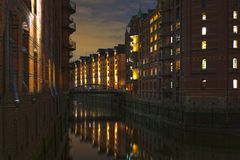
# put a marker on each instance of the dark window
(235, 2)
(177, 2)
(35, 7)
(203, 3)
(177, 13)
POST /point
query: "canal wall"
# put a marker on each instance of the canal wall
(102, 104)
(204, 116)
(186, 116)
(35, 129)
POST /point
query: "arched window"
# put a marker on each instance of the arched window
(235, 63)
(204, 83)
(204, 64)
(25, 26)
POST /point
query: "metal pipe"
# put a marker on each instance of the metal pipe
(11, 56)
(12, 76)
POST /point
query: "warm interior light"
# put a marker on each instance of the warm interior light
(135, 43)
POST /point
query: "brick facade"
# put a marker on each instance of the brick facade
(34, 69)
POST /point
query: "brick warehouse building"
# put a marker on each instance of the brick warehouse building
(184, 57)
(210, 47)
(34, 68)
(106, 68)
(132, 44)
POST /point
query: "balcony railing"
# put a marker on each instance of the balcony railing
(71, 6)
(72, 45)
(70, 54)
(72, 26)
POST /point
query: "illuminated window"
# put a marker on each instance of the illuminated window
(151, 29)
(177, 51)
(151, 49)
(155, 47)
(235, 29)
(171, 84)
(151, 20)
(204, 44)
(235, 63)
(235, 83)
(171, 67)
(204, 64)
(156, 71)
(204, 84)
(155, 27)
(171, 27)
(171, 52)
(235, 14)
(235, 44)
(155, 37)
(171, 39)
(204, 16)
(204, 31)
(151, 39)
(177, 25)
(177, 65)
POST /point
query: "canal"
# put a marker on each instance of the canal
(100, 131)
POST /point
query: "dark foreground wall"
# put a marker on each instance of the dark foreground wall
(34, 130)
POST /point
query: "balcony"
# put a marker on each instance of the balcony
(71, 7)
(72, 27)
(70, 54)
(71, 45)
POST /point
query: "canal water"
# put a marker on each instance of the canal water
(100, 132)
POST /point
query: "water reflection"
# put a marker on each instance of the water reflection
(98, 135)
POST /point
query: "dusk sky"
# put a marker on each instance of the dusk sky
(102, 23)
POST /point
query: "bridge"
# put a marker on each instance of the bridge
(95, 89)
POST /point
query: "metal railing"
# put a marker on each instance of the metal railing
(73, 5)
(72, 44)
(72, 26)
(70, 54)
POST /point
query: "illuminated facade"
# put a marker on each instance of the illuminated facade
(34, 68)
(148, 84)
(94, 58)
(132, 42)
(106, 68)
(182, 58)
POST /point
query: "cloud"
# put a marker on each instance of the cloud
(102, 23)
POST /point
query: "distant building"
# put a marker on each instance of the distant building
(132, 44)
(120, 67)
(106, 68)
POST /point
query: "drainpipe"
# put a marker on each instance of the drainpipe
(26, 89)
(11, 65)
(12, 76)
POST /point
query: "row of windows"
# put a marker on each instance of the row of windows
(204, 30)
(152, 72)
(234, 44)
(234, 84)
(234, 63)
